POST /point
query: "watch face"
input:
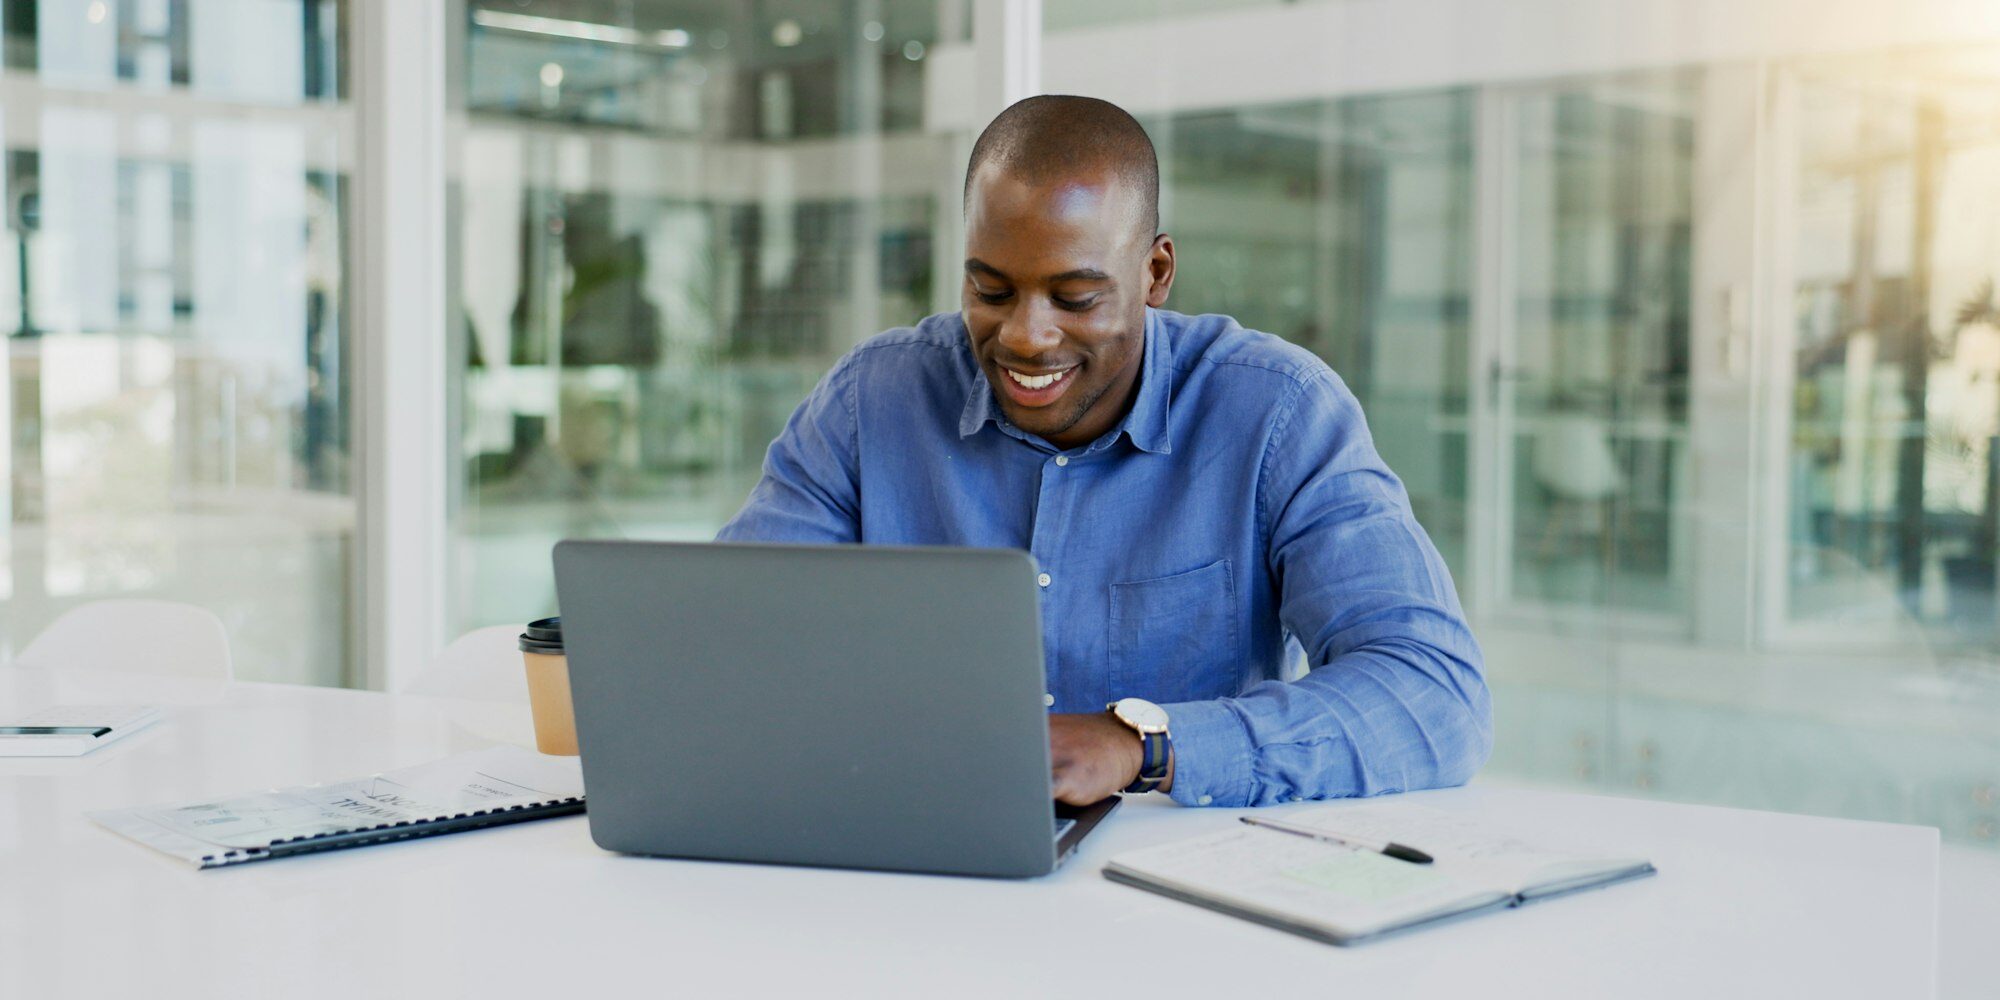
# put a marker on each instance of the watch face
(1142, 715)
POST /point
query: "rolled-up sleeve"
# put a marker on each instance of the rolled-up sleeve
(1395, 698)
(810, 488)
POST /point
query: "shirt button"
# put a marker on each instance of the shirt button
(1062, 460)
(1049, 700)
(1042, 580)
(1204, 800)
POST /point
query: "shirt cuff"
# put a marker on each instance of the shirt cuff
(1212, 754)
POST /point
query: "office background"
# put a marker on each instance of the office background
(1678, 318)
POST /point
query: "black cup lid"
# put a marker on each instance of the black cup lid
(543, 636)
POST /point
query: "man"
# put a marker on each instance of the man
(1200, 497)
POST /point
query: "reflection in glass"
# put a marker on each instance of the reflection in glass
(780, 70)
(1895, 511)
(252, 51)
(177, 401)
(1344, 226)
(1594, 380)
(675, 217)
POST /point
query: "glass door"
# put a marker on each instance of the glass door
(1588, 375)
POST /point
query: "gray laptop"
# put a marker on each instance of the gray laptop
(852, 706)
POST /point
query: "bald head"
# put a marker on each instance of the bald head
(1057, 137)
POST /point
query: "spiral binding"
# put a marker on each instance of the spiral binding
(409, 829)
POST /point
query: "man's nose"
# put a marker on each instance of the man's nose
(1030, 330)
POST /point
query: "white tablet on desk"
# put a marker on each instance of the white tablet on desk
(72, 730)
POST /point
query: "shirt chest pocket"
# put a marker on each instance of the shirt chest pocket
(1173, 638)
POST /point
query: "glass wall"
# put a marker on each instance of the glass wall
(1344, 226)
(177, 403)
(673, 217)
(1591, 381)
(1693, 374)
(1682, 366)
(1894, 518)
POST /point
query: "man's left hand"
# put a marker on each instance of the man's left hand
(1093, 756)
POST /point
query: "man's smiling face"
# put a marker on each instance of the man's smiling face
(1058, 276)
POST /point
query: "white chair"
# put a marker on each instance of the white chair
(136, 634)
(481, 665)
(1573, 460)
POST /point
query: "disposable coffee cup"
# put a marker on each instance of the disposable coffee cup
(548, 687)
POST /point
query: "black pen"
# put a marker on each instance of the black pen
(1401, 852)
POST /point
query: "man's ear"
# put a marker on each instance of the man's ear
(1159, 270)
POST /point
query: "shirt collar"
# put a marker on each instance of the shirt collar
(1148, 423)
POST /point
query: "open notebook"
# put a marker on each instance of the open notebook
(479, 788)
(1345, 895)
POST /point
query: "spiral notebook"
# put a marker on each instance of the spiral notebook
(480, 788)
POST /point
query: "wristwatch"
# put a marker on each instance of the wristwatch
(1150, 722)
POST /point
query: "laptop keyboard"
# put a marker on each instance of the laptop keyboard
(1063, 826)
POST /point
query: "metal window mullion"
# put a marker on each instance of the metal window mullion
(1495, 212)
(1717, 531)
(1774, 354)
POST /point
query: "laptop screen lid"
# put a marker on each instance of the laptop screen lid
(853, 706)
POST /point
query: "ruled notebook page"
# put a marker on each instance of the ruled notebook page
(1343, 892)
(1473, 852)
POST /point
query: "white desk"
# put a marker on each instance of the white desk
(1746, 904)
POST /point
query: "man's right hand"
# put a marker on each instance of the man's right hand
(1093, 756)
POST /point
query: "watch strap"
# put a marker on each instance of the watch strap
(1153, 767)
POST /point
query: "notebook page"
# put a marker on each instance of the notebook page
(1351, 892)
(1469, 851)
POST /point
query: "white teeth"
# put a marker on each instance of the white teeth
(1035, 381)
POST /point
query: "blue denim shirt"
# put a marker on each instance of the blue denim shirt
(1239, 510)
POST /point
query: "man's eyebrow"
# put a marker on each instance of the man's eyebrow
(975, 265)
(1082, 274)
